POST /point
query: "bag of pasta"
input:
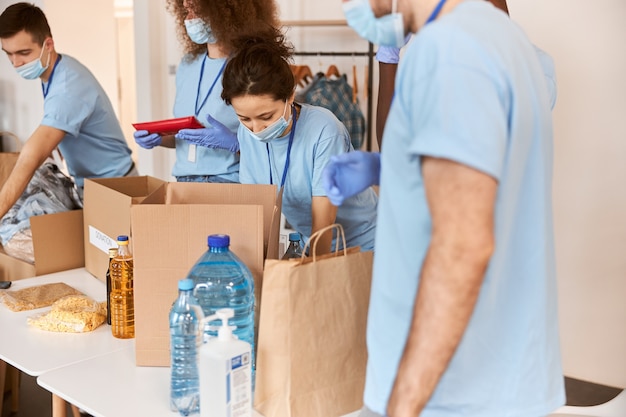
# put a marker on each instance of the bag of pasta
(71, 314)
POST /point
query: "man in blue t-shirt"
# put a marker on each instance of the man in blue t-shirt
(78, 116)
(463, 309)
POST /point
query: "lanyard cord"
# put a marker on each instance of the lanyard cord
(291, 135)
(435, 12)
(206, 97)
(46, 88)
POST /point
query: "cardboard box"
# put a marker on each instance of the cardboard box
(107, 203)
(57, 244)
(169, 234)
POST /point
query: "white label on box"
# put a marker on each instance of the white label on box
(101, 240)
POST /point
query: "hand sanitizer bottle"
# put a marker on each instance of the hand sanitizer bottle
(225, 372)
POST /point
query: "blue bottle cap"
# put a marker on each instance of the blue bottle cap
(218, 241)
(294, 237)
(185, 284)
(122, 238)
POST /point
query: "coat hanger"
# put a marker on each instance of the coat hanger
(333, 71)
(302, 74)
(355, 84)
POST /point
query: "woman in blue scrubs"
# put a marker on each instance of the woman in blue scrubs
(198, 87)
(289, 144)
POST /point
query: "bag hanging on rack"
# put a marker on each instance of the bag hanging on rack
(312, 355)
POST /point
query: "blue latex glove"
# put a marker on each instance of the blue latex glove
(217, 136)
(350, 173)
(147, 140)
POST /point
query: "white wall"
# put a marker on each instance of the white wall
(586, 40)
(84, 30)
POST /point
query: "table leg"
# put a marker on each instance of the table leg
(16, 376)
(59, 407)
(3, 374)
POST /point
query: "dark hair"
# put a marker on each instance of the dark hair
(259, 66)
(26, 17)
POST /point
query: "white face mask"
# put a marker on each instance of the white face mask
(199, 31)
(273, 131)
(33, 69)
(387, 30)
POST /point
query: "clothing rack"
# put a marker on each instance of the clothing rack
(370, 64)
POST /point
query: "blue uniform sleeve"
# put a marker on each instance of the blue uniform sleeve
(465, 120)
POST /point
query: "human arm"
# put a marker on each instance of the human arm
(150, 140)
(35, 151)
(323, 213)
(216, 136)
(350, 173)
(386, 84)
(461, 202)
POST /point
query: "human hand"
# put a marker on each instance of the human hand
(217, 136)
(147, 140)
(350, 173)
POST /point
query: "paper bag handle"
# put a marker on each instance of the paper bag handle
(315, 237)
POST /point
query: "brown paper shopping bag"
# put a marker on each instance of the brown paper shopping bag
(311, 353)
(7, 159)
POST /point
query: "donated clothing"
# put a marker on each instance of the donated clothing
(94, 145)
(480, 98)
(318, 136)
(336, 95)
(193, 160)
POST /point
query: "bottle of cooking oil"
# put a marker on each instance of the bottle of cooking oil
(122, 304)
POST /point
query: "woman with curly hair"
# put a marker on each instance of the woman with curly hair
(205, 30)
(289, 144)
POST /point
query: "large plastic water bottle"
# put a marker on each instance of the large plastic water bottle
(222, 280)
(185, 326)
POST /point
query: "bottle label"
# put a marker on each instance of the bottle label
(238, 382)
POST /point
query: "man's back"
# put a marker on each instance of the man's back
(470, 89)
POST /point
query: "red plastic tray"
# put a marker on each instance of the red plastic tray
(169, 126)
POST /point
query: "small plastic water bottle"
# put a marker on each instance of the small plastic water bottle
(294, 250)
(185, 326)
(222, 280)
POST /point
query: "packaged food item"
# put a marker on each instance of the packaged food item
(71, 314)
(37, 296)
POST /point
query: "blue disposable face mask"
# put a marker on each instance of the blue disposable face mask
(33, 69)
(387, 30)
(273, 131)
(199, 31)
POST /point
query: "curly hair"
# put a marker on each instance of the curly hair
(176, 8)
(231, 19)
(259, 66)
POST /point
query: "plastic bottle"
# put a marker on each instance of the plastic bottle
(112, 254)
(122, 302)
(225, 372)
(222, 280)
(294, 250)
(185, 329)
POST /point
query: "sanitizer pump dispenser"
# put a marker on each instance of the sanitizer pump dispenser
(225, 372)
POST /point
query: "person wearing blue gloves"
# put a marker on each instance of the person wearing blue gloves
(288, 144)
(463, 309)
(198, 87)
(78, 117)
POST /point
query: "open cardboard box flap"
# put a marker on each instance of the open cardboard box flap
(169, 234)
